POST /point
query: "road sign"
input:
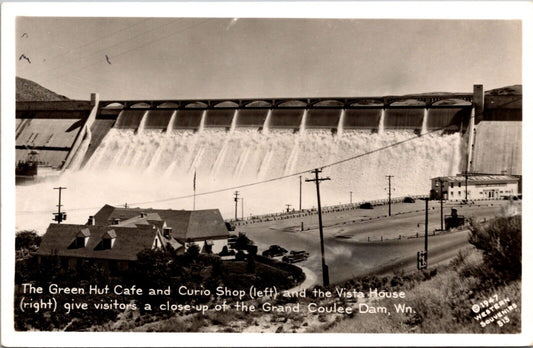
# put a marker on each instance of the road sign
(422, 260)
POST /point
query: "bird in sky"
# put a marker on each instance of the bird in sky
(23, 56)
(25, 35)
(107, 59)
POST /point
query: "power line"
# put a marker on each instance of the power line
(107, 35)
(104, 48)
(151, 42)
(276, 178)
(298, 173)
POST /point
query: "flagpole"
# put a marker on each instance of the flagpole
(194, 191)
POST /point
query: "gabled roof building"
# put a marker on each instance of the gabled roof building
(114, 236)
(202, 227)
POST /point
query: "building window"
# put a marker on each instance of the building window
(80, 242)
(459, 184)
(459, 193)
(451, 185)
(108, 239)
(107, 243)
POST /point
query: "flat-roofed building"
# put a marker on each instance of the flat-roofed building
(479, 186)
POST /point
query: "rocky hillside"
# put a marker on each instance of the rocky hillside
(509, 90)
(27, 90)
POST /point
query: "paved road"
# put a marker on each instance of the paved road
(347, 250)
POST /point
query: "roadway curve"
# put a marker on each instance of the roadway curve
(347, 250)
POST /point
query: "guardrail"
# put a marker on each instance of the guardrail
(325, 210)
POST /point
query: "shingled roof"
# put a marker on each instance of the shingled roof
(60, 240)
(186, 225)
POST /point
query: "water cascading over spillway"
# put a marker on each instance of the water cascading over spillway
(425, 122)
(381, 126)
(146, 168)
(225, 159)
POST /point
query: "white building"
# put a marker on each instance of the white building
(454, 188)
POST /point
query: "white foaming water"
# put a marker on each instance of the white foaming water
(381, 125)
(340, 126)
(151, 168)
(143, 122)
(425, 122)
(266, 125)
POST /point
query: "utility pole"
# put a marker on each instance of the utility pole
(389, 177)
(59, 216)
(441, 211)
(466, 186)
(242, 208)
(426, 230)
(422, 256)
(351, 197)
(236, 203)
(300, 193)
(325, 272)
(288, 207)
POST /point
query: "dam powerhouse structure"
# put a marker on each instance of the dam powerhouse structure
(490, 125)
(158, 151)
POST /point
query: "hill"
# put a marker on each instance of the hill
(27, 90)
(508, 90)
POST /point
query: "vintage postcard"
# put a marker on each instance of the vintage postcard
(265, 174)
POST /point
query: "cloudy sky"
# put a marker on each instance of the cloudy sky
(158, 58)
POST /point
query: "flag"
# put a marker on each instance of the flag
(194, 181)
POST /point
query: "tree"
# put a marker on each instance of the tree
(27, 240)
(193, 250)
(242, 242)
(501, 243)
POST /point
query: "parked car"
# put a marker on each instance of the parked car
(274, 250)
(295, 256)
(408, 200)
(366, 205)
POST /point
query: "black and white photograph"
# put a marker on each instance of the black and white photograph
(182, 170)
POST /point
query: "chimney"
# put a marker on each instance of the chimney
(143, 214)
(91, 221)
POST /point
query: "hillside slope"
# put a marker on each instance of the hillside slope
(27, 90)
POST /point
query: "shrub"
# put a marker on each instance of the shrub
(193, 250)
(501, 244)
(27, 240)
(242, 242)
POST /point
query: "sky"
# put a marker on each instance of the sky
(208, 58)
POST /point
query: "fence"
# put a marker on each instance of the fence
(325, 210)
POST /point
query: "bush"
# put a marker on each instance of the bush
(242, 242)
(27, 240)
(193, 250)
(501, 244)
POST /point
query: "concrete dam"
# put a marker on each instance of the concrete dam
(145, 151)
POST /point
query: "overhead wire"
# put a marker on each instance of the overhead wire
(100, 38)
(332, 164)
(297, 173)
(105, 48)
(148, 43)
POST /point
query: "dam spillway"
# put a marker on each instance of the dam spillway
(146, 151)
